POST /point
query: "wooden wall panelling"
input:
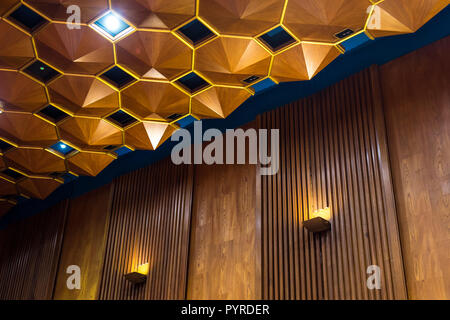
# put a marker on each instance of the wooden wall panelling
(332, 154)
(84, 244)
(224, 262)
(150, 222)
(416, 98)
(30, 254)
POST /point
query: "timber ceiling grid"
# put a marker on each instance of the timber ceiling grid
(72, 95)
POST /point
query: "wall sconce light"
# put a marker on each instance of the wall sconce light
(320, 221)
(138, 276)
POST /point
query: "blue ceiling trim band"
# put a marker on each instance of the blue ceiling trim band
(378, 52)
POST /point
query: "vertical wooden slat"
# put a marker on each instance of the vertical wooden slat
(332, 153)
(28, 265)
(150, 221)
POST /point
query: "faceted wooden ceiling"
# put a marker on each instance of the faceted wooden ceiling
(71, 96)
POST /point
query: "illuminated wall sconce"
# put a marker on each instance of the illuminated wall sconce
(320, 221)
(138, 276)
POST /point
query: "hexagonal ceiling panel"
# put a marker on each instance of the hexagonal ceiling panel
(20, 93)
(155, 14)
(154, 100)
(85, 96)
(57, 9)
(82, 51)
(89, 133)
(27, 130)
(16, 49)
(38, 161)
(170, 60)
(242, 17)
(230, 61)
(402, 16)
(154, 55)
(321, 20)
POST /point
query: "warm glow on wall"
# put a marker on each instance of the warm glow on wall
(324, 213)
(143, 268)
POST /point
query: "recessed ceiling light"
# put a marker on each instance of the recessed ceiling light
(62, 148)
(112, 26)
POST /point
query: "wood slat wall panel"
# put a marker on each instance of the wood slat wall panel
(333, 153)
(84, 244)
(150, 222)
(29, 255)
(416, 97)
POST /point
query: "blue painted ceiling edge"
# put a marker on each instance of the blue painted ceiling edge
(378, 52)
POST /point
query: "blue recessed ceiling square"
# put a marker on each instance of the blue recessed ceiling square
(277, 38)
(186, 121)
(68, 177)
(123, 151)
(117, 77)
(192, 82)
(122, 118)
(263, 85)
(62, 148)
(196, 32)
(355, 42)
(112, 25)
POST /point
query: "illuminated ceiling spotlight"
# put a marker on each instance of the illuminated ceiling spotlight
(112, 26)
(320, 221)
(62, 148)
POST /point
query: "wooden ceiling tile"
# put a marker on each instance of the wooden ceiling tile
(7, 188)
(154, 55)
(302, 62)
(16, 48)
(20, 93)
(27, 130)
(82, 51)
(229, 61)
(155, 14)
(148, 135)
(89, 163)
(83, 96)
(392, 17)
(5, 5)
(241, 17)
(39, 188)
(57, 9)
(154, 100)
(320, 20)
(36, 161)
(217, 102)
(89, 133)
